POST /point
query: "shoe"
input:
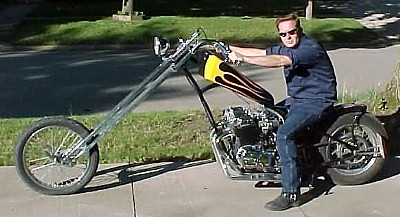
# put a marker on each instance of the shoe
(283, 202)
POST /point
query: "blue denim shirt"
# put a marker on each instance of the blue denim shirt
(310, 80)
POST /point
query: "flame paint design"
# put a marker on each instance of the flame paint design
(217, 71)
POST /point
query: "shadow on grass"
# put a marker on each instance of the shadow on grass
(34, 32)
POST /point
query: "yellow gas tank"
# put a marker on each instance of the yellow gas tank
(217, 71)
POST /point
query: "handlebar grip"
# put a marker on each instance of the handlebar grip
(223, 48)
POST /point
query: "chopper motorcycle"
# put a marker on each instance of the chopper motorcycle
(59, 155)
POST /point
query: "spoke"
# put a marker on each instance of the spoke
(59, 175)
(63, 141)
(37, 160)
(77, 138)
(43, 166)
(52, 139)
(81, 166)
(44, 175)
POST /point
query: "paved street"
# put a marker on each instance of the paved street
(39, 83)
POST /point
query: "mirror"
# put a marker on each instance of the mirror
(160, 46)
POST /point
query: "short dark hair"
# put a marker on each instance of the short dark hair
(287, 17)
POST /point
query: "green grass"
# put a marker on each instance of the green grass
(90, 23)
(140, 137)
(229, 29)
(392, 89)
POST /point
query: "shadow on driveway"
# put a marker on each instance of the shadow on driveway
(130, 173)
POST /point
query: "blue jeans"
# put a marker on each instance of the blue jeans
(286, 135)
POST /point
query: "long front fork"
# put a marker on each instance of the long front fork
(131, 101)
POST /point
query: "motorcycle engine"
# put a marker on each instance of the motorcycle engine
(253, 146)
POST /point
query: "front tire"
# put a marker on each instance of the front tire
(370, 136)
(36, 157)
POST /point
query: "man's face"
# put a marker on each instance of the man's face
(289, 34)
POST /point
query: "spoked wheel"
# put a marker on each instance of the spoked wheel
(368, 138)
(38, 157)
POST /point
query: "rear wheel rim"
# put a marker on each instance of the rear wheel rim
(365, 138)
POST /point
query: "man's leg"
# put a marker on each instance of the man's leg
(294, 123)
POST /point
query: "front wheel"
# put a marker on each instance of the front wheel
(38, 161)
(367, 136)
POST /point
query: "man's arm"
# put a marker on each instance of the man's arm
(271, 61)
(258, 57)
(247, 51)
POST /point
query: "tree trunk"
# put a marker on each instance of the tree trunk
(309, 10)
(127, 7)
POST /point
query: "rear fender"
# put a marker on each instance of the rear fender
(349, 108)
(361, 109)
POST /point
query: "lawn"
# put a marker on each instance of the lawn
(140, 137)
(74, 23)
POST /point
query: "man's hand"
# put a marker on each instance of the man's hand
(236, 58)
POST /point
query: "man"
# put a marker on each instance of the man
(311, 89)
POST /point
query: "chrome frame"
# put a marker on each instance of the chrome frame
(170, 64)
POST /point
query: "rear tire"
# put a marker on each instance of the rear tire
(36, 157)
(370, 136)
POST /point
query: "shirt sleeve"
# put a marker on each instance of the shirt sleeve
(305, 56)
(274, 50)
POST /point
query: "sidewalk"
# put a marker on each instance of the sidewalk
(197, 189)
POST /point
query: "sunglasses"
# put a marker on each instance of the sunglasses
(290, 32)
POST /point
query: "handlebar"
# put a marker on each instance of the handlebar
(190, 46)
(222, 48)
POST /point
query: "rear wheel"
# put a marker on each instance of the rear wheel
(38, 157)
(368, 137)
